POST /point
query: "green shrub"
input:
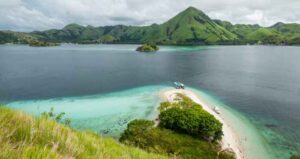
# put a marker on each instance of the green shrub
(296, 156)
(134, 128)
(143, 134)
(186, 116)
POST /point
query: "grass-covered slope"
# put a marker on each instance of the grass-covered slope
(193, 26)
(287, 29)
(291, 31)
(241, 30)
(265, 36)
(16, 37)
(22, 136)
(254, 34)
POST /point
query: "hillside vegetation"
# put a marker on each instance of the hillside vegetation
(186, 116)
(189, 27)
(185, 131)
(147, 48)
(22, 136)
(143, 134)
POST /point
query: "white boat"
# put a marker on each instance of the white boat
(179, 85)
(217, 110)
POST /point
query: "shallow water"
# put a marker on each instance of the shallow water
(254, 145)
(261, 83)
(107, 114)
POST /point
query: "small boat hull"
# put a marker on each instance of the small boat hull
(217, 110)
(179, 85)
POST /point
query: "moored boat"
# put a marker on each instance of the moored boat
(179, 85)
(217, 110)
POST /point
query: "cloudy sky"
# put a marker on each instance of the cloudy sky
(28, 15)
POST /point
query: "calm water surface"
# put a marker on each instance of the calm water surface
(260, 82)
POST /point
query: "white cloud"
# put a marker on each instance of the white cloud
(255, 16)
(45, 14)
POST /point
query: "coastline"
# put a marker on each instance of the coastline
(253, 143)
(230, 140)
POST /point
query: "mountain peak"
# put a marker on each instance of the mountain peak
(72, 26)
(191, 8)
(189, 15)
(278, 24)
(194, 12)
(195, 26)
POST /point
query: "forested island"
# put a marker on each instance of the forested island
(42, 44)
(147, 48)
(190, 27)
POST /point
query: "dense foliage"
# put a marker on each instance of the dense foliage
(186, 116)
(147, 48)
(22, 136)
(16, 37)
(37, 43)
(184, 128)
(182, 101)
(143, 134)
(295, 156)
(190, 27)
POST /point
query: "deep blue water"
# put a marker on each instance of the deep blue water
(261, 82)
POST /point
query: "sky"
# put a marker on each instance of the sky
(29, 15)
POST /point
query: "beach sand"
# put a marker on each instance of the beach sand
(230, 140)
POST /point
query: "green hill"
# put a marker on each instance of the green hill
(16, 37)
(287, 29)
(189, 27)
(241, 30)
(254, 34)
(22, 136)
(193, 26)
(265, 36)
(291, 31)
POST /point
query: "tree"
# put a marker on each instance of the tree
(135, 127)
(296, 156)
(193, 121)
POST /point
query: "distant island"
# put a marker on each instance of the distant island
(42, 44)
(190, 27)
(147, 48)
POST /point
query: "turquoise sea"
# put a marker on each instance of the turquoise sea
(103, 87)
(107, 114)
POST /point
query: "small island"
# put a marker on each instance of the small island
(42, 44)
(147, 48)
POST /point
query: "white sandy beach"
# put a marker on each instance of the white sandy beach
(230, 140)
